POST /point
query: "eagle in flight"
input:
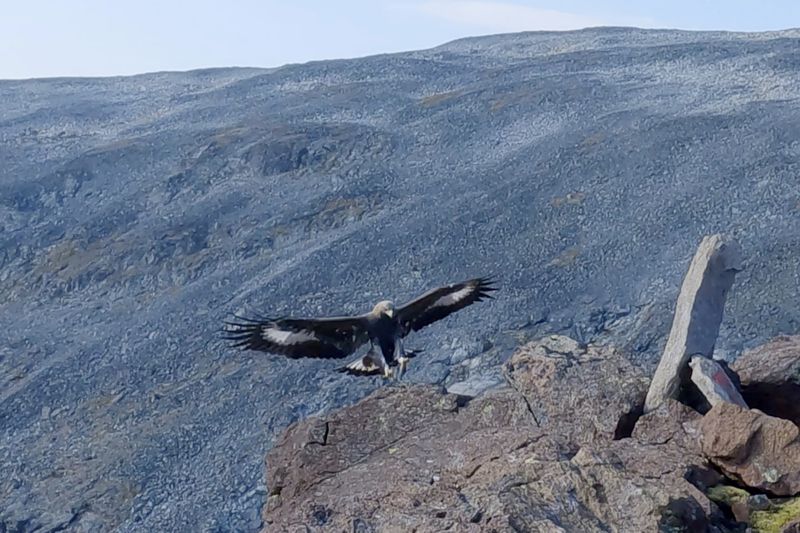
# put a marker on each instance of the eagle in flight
(384, 327)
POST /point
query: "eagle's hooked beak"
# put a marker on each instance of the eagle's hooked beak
(389, 313)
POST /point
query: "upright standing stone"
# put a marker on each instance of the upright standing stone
(698, 314)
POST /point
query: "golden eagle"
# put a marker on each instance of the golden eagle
(338, 337)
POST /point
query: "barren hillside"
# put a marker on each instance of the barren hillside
(579, 168)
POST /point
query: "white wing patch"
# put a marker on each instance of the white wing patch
(362, 364)
(453, 297)
(368, 363)
(285, 338)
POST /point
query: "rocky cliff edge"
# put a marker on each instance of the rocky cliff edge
(562, 447)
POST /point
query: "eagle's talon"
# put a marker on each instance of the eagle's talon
(388, 372)
(402, 363)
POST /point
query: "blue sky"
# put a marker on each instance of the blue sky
(41, 38)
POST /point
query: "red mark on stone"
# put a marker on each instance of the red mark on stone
(721, 378)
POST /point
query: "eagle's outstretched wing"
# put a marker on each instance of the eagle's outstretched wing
(333, 337)
(438, 303)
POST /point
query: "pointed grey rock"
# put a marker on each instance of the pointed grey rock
(713, 382)
(698, 314)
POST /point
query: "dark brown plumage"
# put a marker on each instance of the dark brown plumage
(299, 337)
(438, 303)
(338, 337)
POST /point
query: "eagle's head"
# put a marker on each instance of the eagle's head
(386, 307)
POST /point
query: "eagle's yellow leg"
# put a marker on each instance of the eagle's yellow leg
(388, 372)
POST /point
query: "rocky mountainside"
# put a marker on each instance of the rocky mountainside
(579, 168)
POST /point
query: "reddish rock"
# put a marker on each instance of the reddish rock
(762, 451)
(770, 377)
(397, 459)
(777, 361)
(670, 422)
(538, 456)
(585, 393)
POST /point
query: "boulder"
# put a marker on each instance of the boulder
(582, 393)
(776, 362)
(397, 461)
(770, 377)
(698, 314)
(670, 422)
(761, 451)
